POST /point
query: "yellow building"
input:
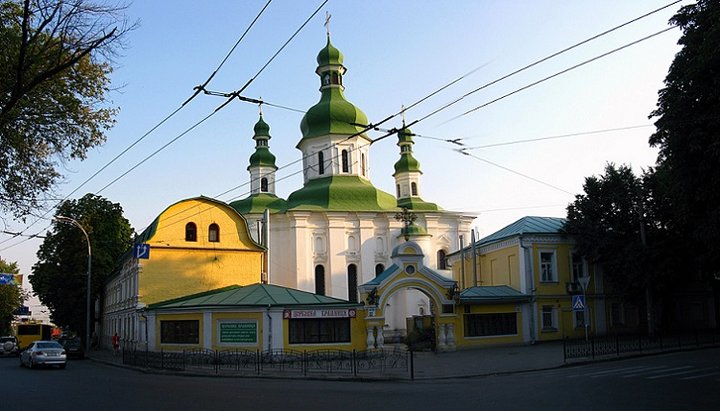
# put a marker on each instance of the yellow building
(519, 284)
(255, 317)
(194, 246)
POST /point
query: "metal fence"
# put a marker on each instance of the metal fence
(388, 363)
(618, 345)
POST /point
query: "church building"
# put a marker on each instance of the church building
(337, 231)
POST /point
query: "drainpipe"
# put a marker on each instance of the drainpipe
(531, 284)
(462, 262)
(474, 258)
(269, 328)
(266, 243)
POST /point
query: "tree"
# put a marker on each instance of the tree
(606, 222)
(688, 135)
(59, 277)
(11, 297)
(55, 58)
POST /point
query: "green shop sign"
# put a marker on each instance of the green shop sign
(238, 332)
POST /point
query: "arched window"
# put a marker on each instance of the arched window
(263, 185)
(321, 163)
(190, 232)
(413, 188)
(397, 188)
(441, 260)
(379, 269)
(319, 280)
(214, 233)
(351, 243)
(362, 163)
(352, 283)
(345, 162)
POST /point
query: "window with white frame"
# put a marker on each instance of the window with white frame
(549, 321)
(579, 318)
(548, 271)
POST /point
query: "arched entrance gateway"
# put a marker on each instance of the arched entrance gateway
(408, 283)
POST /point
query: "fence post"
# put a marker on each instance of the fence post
(640, 342)
(162, 360)
(592, 347)
(617, 344)
(258, 361)
(304, 363)
(565, 350)
(412, 364)
(354, 363)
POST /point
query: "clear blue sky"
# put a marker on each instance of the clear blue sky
(396, 53)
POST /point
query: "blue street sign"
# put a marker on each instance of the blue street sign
(22, 310)
(7, 278)
(578, 303)
(141, 251)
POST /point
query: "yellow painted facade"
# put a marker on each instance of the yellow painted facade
(178, 267)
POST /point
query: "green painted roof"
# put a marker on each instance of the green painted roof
(406, 163)
(329, 55)
(257, 203)
(526, 225)
(492, 294)
(262, 155)
(256, 295)
(333, 114)
(417, 204)
(341, 193)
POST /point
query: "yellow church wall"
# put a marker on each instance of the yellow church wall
(174, 273)
(177, 267)
(178, 317)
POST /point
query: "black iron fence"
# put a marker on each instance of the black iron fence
(388, 363)
(618, 345)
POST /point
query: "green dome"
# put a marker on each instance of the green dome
(406, 163)
(262, 155)
(262, 128)
(333, 114)
(405, 135)
(257, 203)
(329, 55)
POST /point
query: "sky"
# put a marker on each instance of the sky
(396, 53)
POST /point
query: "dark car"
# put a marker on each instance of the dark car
(9, 346)
(73, 347)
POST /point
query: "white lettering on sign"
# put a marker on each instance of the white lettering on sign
(327, 313)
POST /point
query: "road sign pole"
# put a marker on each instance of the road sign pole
(584, 282)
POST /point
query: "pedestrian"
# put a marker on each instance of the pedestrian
(116, 344)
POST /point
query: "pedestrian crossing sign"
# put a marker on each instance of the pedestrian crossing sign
(578, 303)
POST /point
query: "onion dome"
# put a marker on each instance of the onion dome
(333, 114)
(407, 161)
(262, 155)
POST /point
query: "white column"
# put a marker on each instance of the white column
(451, 337)
(442, 339)
(207, 330)
(380, 338)
(370, 337)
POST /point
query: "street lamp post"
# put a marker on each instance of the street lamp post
(89, 273)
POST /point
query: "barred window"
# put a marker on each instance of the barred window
(320, 330)
(482, 325)
(180, 332)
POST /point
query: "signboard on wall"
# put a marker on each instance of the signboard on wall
(237, 332)
(322, 313)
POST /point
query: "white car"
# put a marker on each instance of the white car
(43, 353)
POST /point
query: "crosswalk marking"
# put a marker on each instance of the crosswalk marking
(693, 377)
(672, 374)
(660, 368)
(612, 371)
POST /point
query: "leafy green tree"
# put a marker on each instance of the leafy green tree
(606, 223)
(55, 58)
(688, 136)
(11, 297)
(59, 277)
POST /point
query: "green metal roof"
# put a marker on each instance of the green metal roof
(329, 55)
(257, 203)
(417, 204)
(333, 114)
(526, 225)
(492, 294)
(262, 155)
(341, 193)
(256, 295)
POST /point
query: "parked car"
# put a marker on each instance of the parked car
(43, 353)
(73, 347)
(9, 346)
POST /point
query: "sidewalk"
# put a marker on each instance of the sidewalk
(429, 365)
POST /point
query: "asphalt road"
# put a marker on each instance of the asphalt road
(678, 381)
